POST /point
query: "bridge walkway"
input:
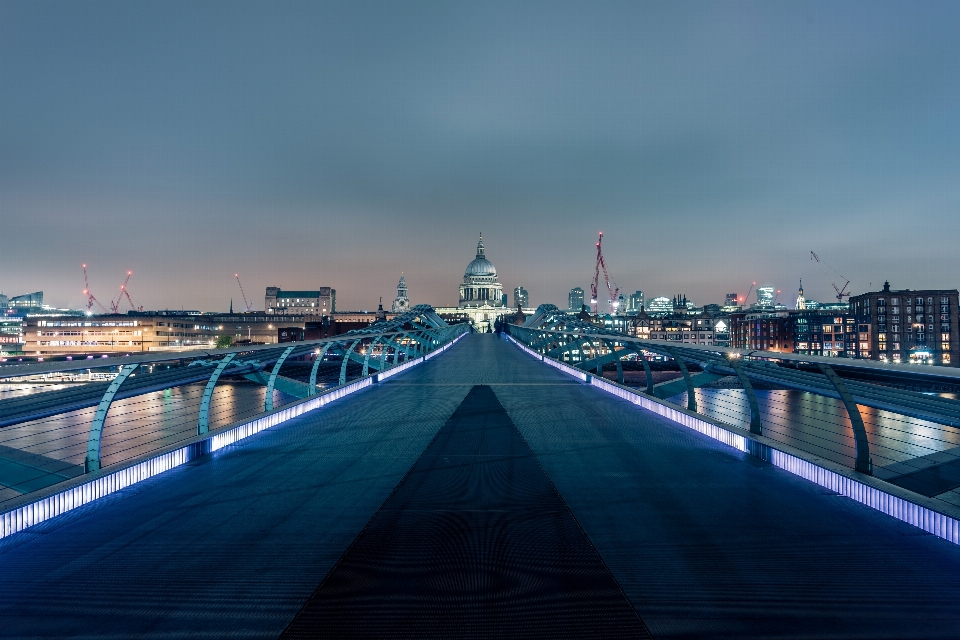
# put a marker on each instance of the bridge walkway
(701, 540)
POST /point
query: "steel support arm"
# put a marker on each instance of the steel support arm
(863, 463)
(572, 343)
(755, 424)
(346, 359)
(272, 382)
(400, 348)
(203, 418)
(646, 370)
(614, 354)
(691, 395)
(366, 357)
(92, 462)
(312, 389)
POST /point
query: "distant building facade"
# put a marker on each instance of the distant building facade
(26, 301)
(635, 302)
(320, 302)
(575, 299)
(660, 305)
(765, 296)
(112, 334)
(11, 333)
(908, 326)
(703, 328)
(520, 297)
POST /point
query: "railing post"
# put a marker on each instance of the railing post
(863, 463)
(691, 394)
(203, 418)
(268, 399)
(92, 462)
(346, 359)
(312, 389)
(755, 425)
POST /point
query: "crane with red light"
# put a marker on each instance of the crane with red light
(90, 298)
(746, 300)
(247, 304)
(841, 291)
(115, 304)
(613, 291)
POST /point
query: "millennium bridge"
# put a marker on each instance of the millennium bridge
(416, 480)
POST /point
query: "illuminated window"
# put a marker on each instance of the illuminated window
(946, 358)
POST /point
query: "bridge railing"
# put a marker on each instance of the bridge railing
(151, 402)
(843, 379)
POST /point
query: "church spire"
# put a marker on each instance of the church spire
(480, 247)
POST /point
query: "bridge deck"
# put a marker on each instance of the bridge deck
(702, 540)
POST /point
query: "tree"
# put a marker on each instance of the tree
(224, 342)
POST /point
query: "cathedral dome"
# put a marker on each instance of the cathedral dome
(480, 266)
(480, 288)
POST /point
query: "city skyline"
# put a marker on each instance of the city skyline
(300, 145)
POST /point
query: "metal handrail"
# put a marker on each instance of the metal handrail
(210, 373)
(765, 365)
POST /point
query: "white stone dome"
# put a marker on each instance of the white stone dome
(480, 266)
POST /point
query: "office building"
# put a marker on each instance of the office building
(26, 301)
(908, 326)
(320, 302)
(520, 297)
(575, 299)
(660, 305)
(11, 333)
(765, 296)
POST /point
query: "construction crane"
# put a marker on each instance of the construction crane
(86, 291)
(613, 291)
(841, 291)
(126, 292)
(776, 297)
(247, 304)
(115, 304)
(746, 300)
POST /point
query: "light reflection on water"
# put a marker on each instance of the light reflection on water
(8, 391)
(820, 425)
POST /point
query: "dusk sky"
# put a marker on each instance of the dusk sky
(340, 144)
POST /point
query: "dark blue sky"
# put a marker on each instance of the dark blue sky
(338, 144)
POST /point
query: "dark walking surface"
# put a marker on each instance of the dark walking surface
(475, 542)
(702, 540)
